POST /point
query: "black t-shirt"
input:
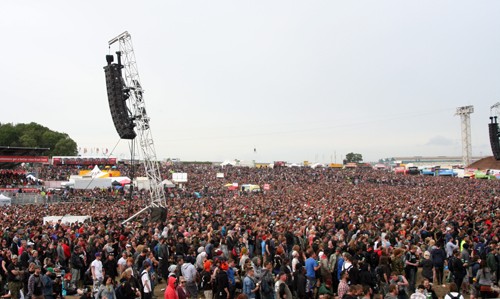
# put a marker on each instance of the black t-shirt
(38, 286)
(411, 258)
(10, 276)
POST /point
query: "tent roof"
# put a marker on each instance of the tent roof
(4, 197)
(168, 184)
(95, 172)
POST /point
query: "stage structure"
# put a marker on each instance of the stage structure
(465, 113)
(133, 94)
(494, 131)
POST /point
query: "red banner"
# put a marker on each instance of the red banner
(24, 159)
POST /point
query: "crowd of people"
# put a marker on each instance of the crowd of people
(315, 233)
(16, 178)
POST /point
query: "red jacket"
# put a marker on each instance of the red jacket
(67, 251)
(170, 291)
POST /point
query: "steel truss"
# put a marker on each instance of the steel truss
(464, 113)
(146, 148)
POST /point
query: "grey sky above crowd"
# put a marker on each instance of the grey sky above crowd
(261, 80)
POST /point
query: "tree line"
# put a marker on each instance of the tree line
(36, 135)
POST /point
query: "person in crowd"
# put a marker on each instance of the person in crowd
(392, 292)
(484, 279)
(458, 268)
(428, 290)
(128, 289)
(206, 279)
(171, 290)
(438, 257)
(411, 266)
(427, 266)
(14, 277)
(190, 275)
(419, 293)
(147, 290)
(282, 290)
(311, 266)
(267, 281)
(326, 288)
(454, 292)
(35, 284)
(401, 282)
(250, 287)
(48, 283)
(343, 287)
(106, 289)
(76, 264)
(222, 282)
(96, 270)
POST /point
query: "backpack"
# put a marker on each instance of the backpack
(266, 283)
(379, 274)
(454, 297)
(141, 285)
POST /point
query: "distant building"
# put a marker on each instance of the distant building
(443, 161)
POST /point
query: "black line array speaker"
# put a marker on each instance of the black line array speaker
(118, 94)
(494, 141)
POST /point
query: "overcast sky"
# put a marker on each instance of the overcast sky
(296, 80)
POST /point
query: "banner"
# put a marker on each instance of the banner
(24, 159)
(15, 190)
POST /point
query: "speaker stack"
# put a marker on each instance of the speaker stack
(494, 141)
(118, 94)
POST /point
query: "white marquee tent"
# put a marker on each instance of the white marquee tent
(5, 201)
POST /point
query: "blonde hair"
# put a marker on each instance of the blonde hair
(127, 273)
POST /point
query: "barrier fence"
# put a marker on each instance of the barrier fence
(32, 198)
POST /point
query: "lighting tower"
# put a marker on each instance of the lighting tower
(465, 113)
(138, 111)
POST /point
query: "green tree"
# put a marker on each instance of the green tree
(8, 135)
(65, 147)
(353, 158)
(27, 140)
(36, 135)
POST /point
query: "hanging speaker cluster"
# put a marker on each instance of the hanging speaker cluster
(494, 141)
(118, 93)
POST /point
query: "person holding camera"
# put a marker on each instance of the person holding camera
(15, 277)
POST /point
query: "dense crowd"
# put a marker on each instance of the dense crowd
(316, 233)
(16, 178)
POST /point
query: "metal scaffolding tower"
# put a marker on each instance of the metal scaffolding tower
(465, 113)
(137, 106)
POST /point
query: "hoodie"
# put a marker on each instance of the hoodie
(170, 292)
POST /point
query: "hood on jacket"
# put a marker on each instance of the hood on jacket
(171, 281)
